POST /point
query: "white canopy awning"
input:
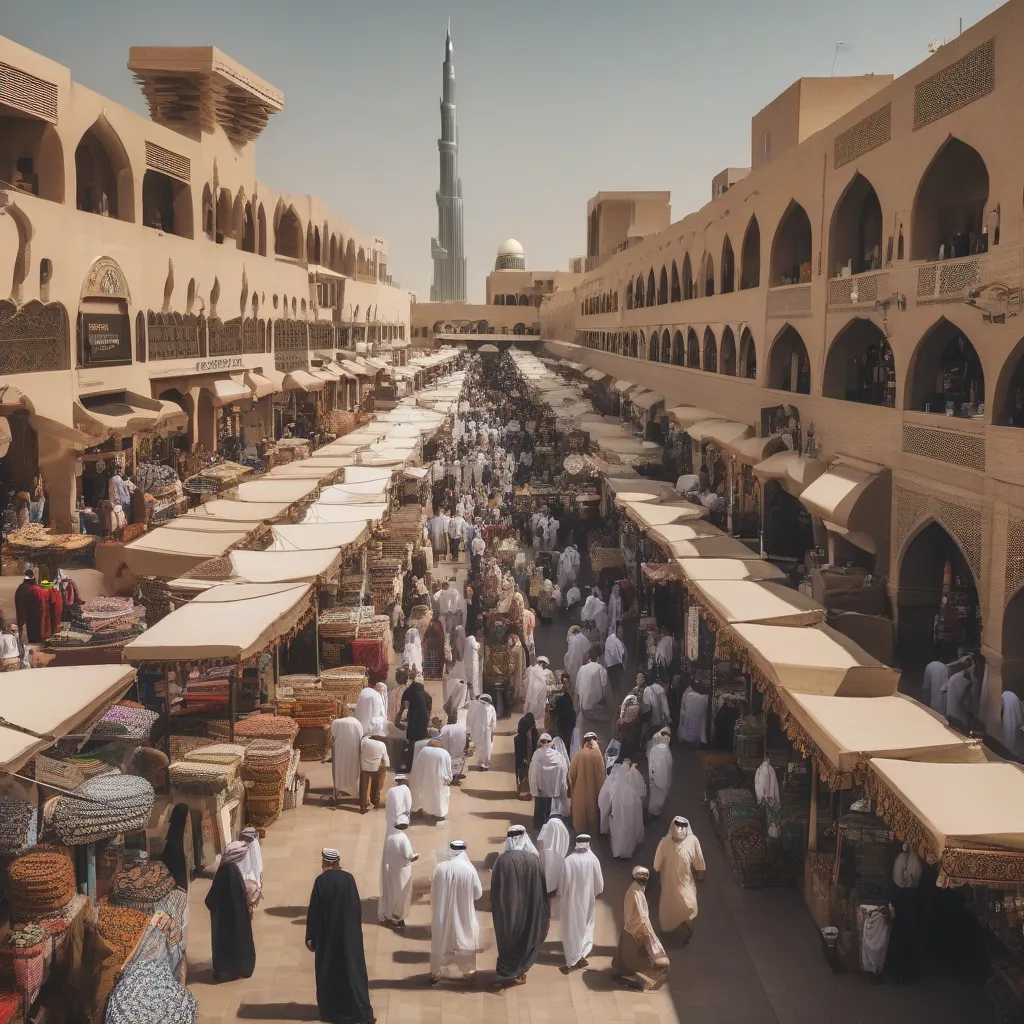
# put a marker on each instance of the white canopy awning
(225, 391)
(648, 400)
(262, 567)
(260, 385)
(274, 490)
(52, 702)
(301, 380)
(793, 471)
(310, 536)
(349, 512)
(168, 553)
(124, 414)
(622, 386)
(226, 510)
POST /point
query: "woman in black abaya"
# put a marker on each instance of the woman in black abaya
(234, 952)
(173, 854)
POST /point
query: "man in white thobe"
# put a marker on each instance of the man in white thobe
(396, 863)
(579, 646)
(622, 811)
(594, 611)
(471, 664)
(437, 538)
(429, 780)
(568, 567)
(593, 694)
(656, 702)
(615, 656)
(659, 771)
(551, 534)
(447, 606)
(579, 885)
(693, 718)
(553, 842)
(536, 700)
(397, 802)
(663, 653)
(370, 705)
(454, 738)
(548, 776)
(481, 719)
(346, 736)
(454, 929)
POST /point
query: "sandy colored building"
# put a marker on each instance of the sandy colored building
(514, 297)
(144, 262)
(866, 274)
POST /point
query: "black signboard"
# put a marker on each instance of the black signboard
(106, 339)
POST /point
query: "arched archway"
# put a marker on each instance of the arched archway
(166, 204)
(692, 350)
(224, 217)
(750, 272)
(1008, 400)
(728, 267)
(248, 230)
(666, 346)
(678, 353)
(932, 567)
(855, 237)
(629, 295)
(949, 209)
(687, 277)
(663, 288)
(104, 183)
(748, 355)
(727, 353)
(651, 294)
(788, 366)
(1012, 648)
(945, 372)
(652, 346)
(710, 363)
(332, 252)
(676, 294)
(32, 157)
(261, 224)
(638, 292)
(316, 246)
(860, 366)
(208, 226)
(288, 235)
(708, 284)
(791, 248)
(634, 348)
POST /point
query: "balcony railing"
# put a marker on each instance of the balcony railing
(789, 301)
(858, 290)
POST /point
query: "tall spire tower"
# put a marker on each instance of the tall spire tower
(447, 249)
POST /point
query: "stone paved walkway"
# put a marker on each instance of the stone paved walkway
(755, 959)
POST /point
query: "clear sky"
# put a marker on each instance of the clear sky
(557, 99)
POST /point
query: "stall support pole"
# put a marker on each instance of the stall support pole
(232, 691)
(276, 665)
(812, 826)
(316, 631)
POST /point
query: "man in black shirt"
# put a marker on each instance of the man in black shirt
(415, 708)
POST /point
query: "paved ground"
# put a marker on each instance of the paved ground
(755, 958)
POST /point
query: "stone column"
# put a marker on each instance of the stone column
(57, 463)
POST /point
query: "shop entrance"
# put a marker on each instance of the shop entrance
(938, 601)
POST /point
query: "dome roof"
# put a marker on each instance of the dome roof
(510, 247)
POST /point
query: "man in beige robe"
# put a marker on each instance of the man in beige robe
(586, 777)
(641, 961)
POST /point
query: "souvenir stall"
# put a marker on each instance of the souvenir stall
(744, 487)
(787, 531)
(214, 479)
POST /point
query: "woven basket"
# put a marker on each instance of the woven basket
(228, 754)
(40, 883)
(269, 727)
(142, 886)
(262, 810)
(312, 743)
(152, 764)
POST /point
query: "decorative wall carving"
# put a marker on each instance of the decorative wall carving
(106, 280)
(34, 338)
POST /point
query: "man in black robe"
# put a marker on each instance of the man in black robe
(234, 952)
(519, 905)
(334, 932)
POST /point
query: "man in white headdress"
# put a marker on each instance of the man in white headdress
(538, 678)
(454, 738)
(664, 651)
(594, 610)
(471, 664)
(579, 644)
(615, 656)
(579, 885)
(481, 719)
(680, 865)
(370, 705)
(593, 694)
(412, 653)
(655, 706)
(252, 866)
(396, 863)
(659, 771)
(517, 839)
(568, 567)
(640, 961)
(346, 737)
(397, 802)
(454, 929)
(614, 609)
(622, 811)
(693, 718)
(430, 779)
(553, 842)
(551, 534)
(539, 524)
(448, 605)
(548, 776)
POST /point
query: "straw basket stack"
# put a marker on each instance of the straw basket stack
(263, 773)
(40, 883)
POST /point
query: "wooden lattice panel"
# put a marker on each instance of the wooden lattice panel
(1014, 557)
(912, 508)
(34, 338)
(954, 87)
(967, 450)
(867, 134)
(166, 162)
(868, 289)
(790, 301)
(28, 93)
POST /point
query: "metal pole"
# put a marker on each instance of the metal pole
(316, 631)
(232, 687)
(277, 674)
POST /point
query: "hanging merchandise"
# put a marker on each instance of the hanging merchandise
(692, 633)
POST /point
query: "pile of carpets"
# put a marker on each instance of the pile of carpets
(207, 770)
(19, 819)
(266, 727)
(127, 721)
(142, 886)
(264, 772)
(101, 808)
(101, 622)
(40, 883)
(314, 717)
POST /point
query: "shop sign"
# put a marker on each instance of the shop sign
(106, 339)
(223, 363)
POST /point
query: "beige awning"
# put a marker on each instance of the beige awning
(752, 450)
(960, 804)
(595, 375)
(261, 567)
(853, 501)
(52, 702)
(633, 488)
(224, 509)
(225, 391)
(622, 386)
(170, 553)
(325, 375)
(710, 547)
(362, 512)
(816, 660)
(674, 533)
(313, 536)
(735, 601)
(301, 380)
(725, 432)
(661, 514)
(341, 369)
(274, 490)
(648, 400)
(699, 431)
(103, 416)
(730, 569)
(686, 415)
(356, 368)
(236, 621)
(260, 385)
(793, 471)
(849, 729)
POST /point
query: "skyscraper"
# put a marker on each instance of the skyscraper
(447, 249)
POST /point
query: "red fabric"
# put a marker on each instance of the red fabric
(373, 654)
